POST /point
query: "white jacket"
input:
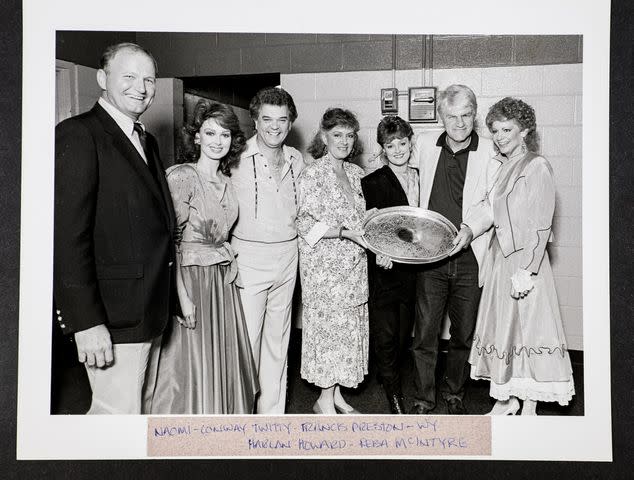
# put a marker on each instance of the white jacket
(481, 164)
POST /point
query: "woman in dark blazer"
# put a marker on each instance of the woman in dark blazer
(392, 291)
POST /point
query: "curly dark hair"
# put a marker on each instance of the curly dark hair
(510, 108)
(272, 96)
(226, 118)
(391, 127)
(336, 117)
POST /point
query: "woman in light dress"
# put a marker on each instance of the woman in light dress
(519, 343)
(332, 263)
(206, 365)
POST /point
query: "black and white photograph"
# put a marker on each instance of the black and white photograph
(257, 219)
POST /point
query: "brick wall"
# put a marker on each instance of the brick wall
(190, 54)
(553, 90)
(85, 48)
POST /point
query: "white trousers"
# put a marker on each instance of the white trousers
(268, 272)
(126, 386)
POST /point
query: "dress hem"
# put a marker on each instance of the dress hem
(533, 392)
(321, 384)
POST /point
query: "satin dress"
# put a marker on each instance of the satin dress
(208, 369)
(520, 344)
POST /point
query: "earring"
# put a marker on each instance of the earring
(325, 152)
(523, 146)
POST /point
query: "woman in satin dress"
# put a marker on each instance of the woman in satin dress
(519, 343)
(206, 365)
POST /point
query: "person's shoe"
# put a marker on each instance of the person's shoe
(455, 407)
(317, 408)
(505, 407)
(320, 410)
(419, 409)
(396, 404)
(347, 410)
(529, 407)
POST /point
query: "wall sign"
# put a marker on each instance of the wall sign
(422, 104)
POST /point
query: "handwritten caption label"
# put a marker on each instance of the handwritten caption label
(319, 436)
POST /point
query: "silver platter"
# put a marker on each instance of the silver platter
(409, 234)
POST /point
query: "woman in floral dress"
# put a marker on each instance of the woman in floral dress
(206, 365)
(332, 263)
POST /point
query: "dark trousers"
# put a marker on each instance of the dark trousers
(449, 286)
(391, 327)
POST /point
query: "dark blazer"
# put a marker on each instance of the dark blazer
(114, 224)
(382, 189)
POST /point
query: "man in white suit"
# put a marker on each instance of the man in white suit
(453, 168)
(265, 239)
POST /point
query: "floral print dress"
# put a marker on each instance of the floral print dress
(334, 278)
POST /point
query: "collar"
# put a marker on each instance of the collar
(252, 149)
(502, 159)
(409, 169)
(473, 145)
(125, 123)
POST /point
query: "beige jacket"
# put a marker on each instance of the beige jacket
(520, 206)
(481, 164)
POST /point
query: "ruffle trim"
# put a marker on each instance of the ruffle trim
(531, 390)
(516, 350)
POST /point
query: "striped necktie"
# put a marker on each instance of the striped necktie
(148, 153)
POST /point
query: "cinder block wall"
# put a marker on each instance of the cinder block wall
(553, 90)
(189, 54)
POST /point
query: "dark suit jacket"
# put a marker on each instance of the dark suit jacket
(382, 189)
(114, 251)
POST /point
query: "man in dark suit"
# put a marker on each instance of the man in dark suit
(114, 225)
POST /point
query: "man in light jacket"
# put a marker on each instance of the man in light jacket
(453, 170)
(265, 239)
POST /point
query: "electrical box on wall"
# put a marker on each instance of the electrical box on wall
(389, 101)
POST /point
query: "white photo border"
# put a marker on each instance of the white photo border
(44, 436)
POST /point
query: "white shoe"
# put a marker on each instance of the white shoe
(505, 407)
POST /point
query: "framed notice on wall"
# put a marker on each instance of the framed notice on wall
(422, 104)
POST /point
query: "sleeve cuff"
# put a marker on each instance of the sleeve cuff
(316, 233)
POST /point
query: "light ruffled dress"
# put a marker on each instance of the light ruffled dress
(520, 344)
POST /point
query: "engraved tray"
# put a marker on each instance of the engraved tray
(409, 234)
